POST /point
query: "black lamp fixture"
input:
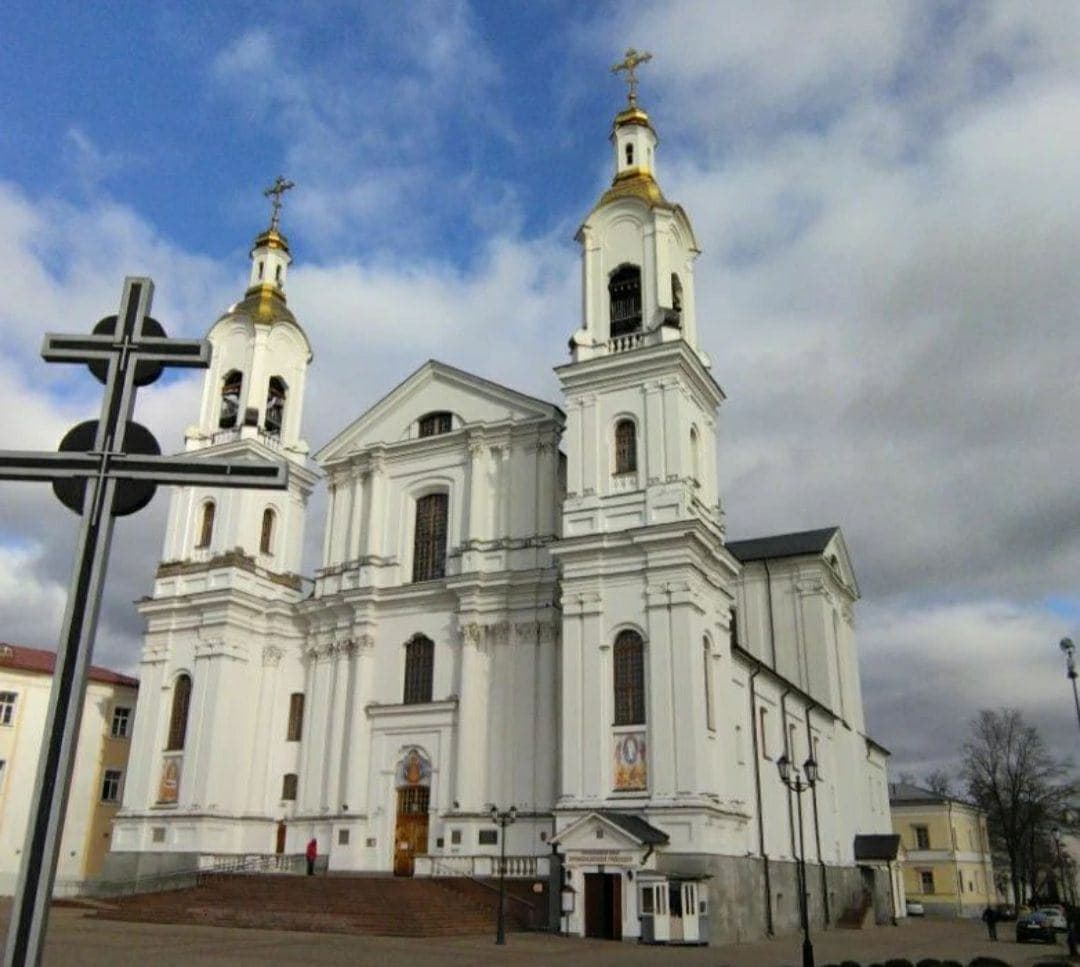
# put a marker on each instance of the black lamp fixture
(1069, 649)
(504, 819)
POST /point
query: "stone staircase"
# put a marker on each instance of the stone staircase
(382, 905)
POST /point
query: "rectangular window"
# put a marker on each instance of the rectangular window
(922, 837)
(121, 722)
(647, 900)
(733, 626)
(817, 753)
(110, 786)
(343, 837)
(791, 745)
(763, 715)
(7, 707)
(296, 717)
(3, 772)
(288, 787)
(455, 837)
(157, 834)
(488, 837)
(739, 756)
(926, 880)
(710, 724)
(429, 539)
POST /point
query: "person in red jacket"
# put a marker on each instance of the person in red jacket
(311, 852)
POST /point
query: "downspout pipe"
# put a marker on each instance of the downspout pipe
(757, 796)
(817, 826)
(790, 753)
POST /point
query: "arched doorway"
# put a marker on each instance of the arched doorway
(412, 779)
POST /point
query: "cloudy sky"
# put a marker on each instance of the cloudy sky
(888, 199)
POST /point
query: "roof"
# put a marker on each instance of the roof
(906, 793)
(876, 846)
(782, 545)
(636, 826)
(39, 661)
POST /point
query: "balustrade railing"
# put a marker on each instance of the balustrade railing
(621, 344)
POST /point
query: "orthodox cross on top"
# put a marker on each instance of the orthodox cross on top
(106, 468)
(630, 64)
(275, 191)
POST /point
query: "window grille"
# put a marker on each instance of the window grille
(288, 786)
(432, 424)
(629, 677)
(419, 670)
(121, 722)
(624, 292)
(429, 543)
(179, 717)
(625, 447)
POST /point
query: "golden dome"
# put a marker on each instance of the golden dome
(635, 183)
(264, 303)
(271, 238)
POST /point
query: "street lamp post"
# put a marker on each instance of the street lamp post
(1069, 649)
(793, 779)
(504, 819)
(1063, 891)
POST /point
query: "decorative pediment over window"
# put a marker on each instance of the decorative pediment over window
(607, 831)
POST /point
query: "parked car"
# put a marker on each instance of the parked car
(1035, 926)
(1055, 913)
(915, 909)
(1005, 911)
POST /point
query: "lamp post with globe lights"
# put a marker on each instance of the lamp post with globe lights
(794, 780)
(1069, 649)
(504, 819)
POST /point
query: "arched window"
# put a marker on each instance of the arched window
(624, 290)
(695, 455)
(429, 540)
(432, 424)
(629, 655)
(230, 399)
(676, 293)
(275, 405)
(625, 447)
(419, 669)
(629, 154)
(206, 525)
(710, 724)
(266, 538)
(260, 268)
(181, 699)
(289, 783)
(277, 274)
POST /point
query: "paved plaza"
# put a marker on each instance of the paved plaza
(77, 939)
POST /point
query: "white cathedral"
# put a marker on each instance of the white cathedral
(522, 605)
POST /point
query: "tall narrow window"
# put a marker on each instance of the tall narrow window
(733, 627)
(707, 676)
(288, 786)
(230, 399)
(429, 540)
(625, 447)
(296, 717)
(7, 707)
(419, 669)
(763, 719)
(266, 538)
(432, 424)
(676, 293)
(629, 659)
(275, 405)
(206, 525)
(110, 785)
(695, 455)
(630, 154)
(624, 290)
(178, 720)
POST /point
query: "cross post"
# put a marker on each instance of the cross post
(106, 468)
(630, 64)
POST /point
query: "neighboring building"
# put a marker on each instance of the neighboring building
(498, 622)
(100, 765)
(947, 863)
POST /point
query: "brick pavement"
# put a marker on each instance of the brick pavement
(76, 940)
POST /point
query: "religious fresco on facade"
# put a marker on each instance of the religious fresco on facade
(630, 765)
(169, 789)
(413, 770)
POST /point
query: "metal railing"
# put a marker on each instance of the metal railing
(207, 866)
(440, 867)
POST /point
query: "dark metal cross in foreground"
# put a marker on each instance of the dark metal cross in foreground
(106, 468)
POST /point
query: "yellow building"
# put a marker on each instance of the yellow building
(947, 863)
(100, 765)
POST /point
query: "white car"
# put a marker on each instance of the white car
(1056, 916)
(915, 909)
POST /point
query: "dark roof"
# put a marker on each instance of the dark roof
(636, 827)
(876, 846)
(782, 545)
(908, 792)
(42, 662)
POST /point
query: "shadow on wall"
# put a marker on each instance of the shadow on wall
(934, 962)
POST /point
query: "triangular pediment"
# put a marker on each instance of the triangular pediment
(837, 555)
(597, 831)
(435, 387)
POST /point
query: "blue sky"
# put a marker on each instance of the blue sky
(887, 199)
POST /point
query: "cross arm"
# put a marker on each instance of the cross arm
(191, 353)
(48, 466)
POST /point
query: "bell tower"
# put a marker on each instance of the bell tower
(252, 403)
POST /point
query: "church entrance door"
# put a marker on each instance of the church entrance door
(603, 906)
(411, 830)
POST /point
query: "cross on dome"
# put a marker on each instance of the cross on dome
(629, 64)
(275, 191)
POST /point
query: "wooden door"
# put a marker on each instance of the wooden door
(280, 846)
(603, 905)
(411, 829)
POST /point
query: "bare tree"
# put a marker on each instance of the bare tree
(939, 782)
(1011, 775)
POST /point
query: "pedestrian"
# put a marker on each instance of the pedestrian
(990, 919)
(311, 852)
